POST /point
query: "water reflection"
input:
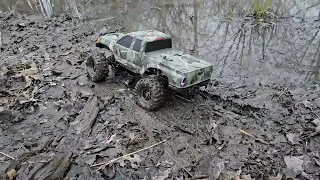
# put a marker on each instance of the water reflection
(242, 48)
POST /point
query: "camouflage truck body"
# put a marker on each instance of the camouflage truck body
(143, 51)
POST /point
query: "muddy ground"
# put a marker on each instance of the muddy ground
(54, 123)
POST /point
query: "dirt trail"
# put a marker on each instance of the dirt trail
(44, 93)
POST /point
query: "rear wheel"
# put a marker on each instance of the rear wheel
(151, 93)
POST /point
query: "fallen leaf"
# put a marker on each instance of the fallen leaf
(52, 84)
(164, 164)
(28, 81)
(43, 121)
(316, 122)
(3, 71)
(307, 104)
(30, 71)
(230, 175)
(110, 172)
(294, 163)
(86, 93)
(111, 138)
(132, 136)
(91, 160)
(278, 177)
(37, 77)
(213, 125)
(56, 72)
(246, 177)
(134, 161)
(46, 56)
(293, 138)
(163, 175)
(12, 174)
(317, 161)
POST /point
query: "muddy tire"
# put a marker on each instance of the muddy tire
(151, 93)
(97, 65)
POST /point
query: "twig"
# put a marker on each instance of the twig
(104, 19)
(257, 139)
(104, 164)
(0, 39)
(88, 2)
(75, 77)
(219, 149)
(34, 162)
(3, 58)
(183, 98)
(7, 155)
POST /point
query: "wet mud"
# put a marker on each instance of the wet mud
(55, 123)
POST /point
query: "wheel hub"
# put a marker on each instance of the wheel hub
(146, 94)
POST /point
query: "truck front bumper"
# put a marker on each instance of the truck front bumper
(190, 88)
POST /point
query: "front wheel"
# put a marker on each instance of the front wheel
(97, 65)
(151, 93)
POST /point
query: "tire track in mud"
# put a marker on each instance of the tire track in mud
(244, 110)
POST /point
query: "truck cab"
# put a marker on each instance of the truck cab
(130, 49)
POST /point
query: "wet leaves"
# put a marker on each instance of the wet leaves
(134, 161)
(217, 167)
(21, 87)
(92, 149)
(163, 175)
(307, 104)
(278, 177)
(294, 163)
(293, 138)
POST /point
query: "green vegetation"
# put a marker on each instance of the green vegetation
(261, 8)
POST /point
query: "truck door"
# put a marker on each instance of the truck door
(137, 46)
(123, 52)
(122, 47)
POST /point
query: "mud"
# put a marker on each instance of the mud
(45, 93)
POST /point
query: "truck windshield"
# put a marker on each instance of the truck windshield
(158, 45)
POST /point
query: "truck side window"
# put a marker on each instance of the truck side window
(137, 45)
(126, 41)
(158, 45)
